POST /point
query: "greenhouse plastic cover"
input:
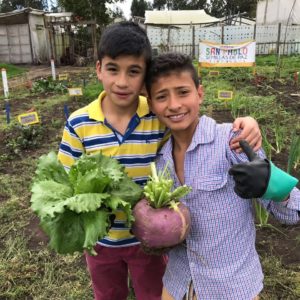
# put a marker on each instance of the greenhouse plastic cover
(278, 11)
(178, 17)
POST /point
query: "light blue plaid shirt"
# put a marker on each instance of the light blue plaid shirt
(219, 256)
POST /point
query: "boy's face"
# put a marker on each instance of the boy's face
(122, 79)
(176, 101)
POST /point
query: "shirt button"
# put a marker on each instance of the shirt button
(192, 265)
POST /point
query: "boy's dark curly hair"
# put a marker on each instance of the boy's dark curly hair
(167, 63)
(124, 38)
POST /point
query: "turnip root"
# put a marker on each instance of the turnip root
(161, 220)
(161, 227)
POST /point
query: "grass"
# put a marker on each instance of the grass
(277, 277)
(12, 70)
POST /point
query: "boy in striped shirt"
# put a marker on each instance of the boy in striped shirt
(120, 124)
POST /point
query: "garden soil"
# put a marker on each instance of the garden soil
(285, 244)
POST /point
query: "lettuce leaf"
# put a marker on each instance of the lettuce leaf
(74, 208)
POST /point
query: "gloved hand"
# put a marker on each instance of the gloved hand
(260, 178)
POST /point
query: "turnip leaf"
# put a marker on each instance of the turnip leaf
(158, 189)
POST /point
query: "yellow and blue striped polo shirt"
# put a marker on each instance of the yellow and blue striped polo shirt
(87, 131)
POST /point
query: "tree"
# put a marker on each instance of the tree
(138, 8)
(159, 4)
(116, 13)
(222, 8)
(89, 9)
(10, 5)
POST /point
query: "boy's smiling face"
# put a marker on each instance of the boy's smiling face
(122, 79)
(176, 101)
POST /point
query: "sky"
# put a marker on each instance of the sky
(125, 7)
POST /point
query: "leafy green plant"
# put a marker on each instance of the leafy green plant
(267, 146)
(91, 92)
(159, 189)
(45, 85)
(75, 207)
(280, 133)
(19, 137)
(262, 216)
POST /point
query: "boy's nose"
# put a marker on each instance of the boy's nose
(121, 80)
(173, 103)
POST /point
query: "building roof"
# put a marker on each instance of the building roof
(178, 17)
(19, 16)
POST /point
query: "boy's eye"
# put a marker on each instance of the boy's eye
(183, 92)
(160, 97)
(134, 72)
(111, 69)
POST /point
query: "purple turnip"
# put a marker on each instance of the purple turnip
(161, 220)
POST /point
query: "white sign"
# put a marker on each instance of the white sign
(75, 91)
(218, 55)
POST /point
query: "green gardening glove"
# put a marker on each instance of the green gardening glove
(260, 178)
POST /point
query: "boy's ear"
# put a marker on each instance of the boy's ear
(200, 91)
(150, 104)
(98, 70)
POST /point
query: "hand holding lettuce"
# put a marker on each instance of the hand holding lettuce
(74, 208)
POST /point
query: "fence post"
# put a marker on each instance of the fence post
(193, 37)
(278, 39)
(169, 34)
(94, 41)
(53, 69)
(222, 34)
(4, 81)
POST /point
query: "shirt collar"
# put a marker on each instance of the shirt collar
(95, 111)
(204, 134)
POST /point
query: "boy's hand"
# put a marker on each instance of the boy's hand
(249, 131)
(260, 178)
(155, 251)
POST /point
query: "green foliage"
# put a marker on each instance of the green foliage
(89, 10)
(9, 5)
(279, 278)
(294, 152)
(46, 85)
(12, 70)
(221, 8)
(138, 7)
(74, 208)
(19, 138)
(91, 92)
(159, 189)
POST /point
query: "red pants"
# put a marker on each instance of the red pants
(109, 273)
